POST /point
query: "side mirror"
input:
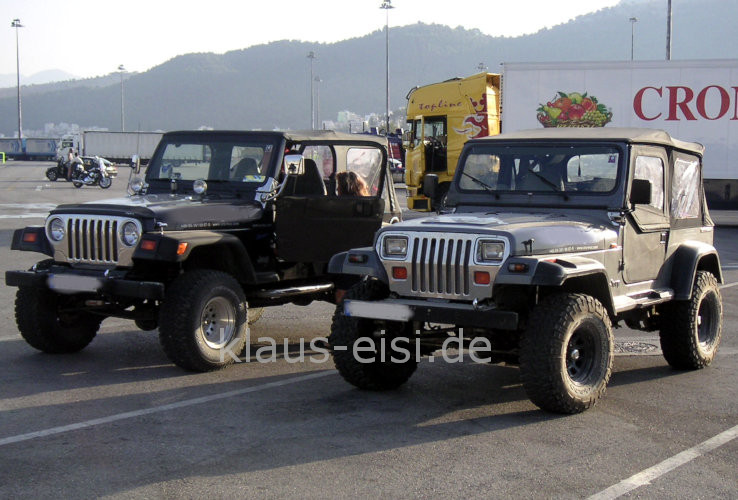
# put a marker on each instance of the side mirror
(407, 137)
(640, 192)
(294, 164)
(430, 186)
(136, 163)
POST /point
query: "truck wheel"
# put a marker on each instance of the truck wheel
(346, 331)
(692, 328)
(566, 353)
(105, 182)
(203, 320)
(45, 328)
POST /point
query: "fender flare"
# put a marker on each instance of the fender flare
(358, 262)
(690, 257)
(166, 248)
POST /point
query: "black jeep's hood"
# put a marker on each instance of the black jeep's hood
(178, 212)
(550, 232)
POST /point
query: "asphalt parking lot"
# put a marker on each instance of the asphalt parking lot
(119, 420)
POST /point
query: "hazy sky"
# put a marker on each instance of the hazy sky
(92, 37)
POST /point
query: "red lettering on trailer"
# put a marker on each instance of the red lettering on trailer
(711, 103)
(683, 104)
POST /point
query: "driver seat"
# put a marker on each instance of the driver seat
(307, 184)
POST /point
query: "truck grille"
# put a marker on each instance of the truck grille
(439, 266)
(92, 240)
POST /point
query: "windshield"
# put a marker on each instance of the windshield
(238, 161)
(569, 169)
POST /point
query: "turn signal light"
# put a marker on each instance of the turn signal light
(399, 273)
(149, 245)
(517, 267)
(481, 278)
(357, 258)
(30, 237)
(181, 248)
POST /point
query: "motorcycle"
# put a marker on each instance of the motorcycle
(86, 171)
(92, 172)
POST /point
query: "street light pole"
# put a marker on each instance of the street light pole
(311, 55)
(122, 70)
(668, 31)
(387, 5)
(17, 24)
(633, 21)
(317, 81)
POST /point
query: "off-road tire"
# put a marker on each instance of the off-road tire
(345, 331)
(691, 329)
(197, 305)
(44, 328)
(104, 182)
(255, 314)
(566, 353)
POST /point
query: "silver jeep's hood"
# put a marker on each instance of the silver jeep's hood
(529, 233)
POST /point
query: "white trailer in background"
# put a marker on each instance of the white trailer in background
(692, 100)
(114, 146)
(120, 146)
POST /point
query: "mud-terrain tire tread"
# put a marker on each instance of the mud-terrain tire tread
(679, 340)
(181, 311)
(40, 326)
(346, 330)
(543, 364)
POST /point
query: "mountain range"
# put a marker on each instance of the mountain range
(268, 86)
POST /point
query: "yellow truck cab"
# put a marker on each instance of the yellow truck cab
(441, 118)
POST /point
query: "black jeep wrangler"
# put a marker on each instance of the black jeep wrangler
(223, 224)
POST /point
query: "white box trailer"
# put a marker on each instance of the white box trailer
(119, 146)
(692, 100)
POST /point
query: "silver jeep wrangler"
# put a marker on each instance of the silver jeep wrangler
(551, 238)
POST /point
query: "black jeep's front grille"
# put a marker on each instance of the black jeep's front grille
(92, 240)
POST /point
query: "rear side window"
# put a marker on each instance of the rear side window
(685, 188)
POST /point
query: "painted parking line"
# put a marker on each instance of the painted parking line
(646, 476)
(159, 409)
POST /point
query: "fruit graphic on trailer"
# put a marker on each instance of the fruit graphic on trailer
(573, 110)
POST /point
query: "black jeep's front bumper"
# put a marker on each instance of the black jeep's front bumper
(453, 313)
(66, 280)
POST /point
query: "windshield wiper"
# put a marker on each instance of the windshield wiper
(486, 186)
(552, 185)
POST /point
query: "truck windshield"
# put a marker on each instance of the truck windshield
(213, 160)
(569, 169)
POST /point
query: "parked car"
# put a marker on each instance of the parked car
(552, 237)
(222, 225)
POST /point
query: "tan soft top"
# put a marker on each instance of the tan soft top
(630, 135)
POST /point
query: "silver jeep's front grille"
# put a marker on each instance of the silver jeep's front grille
(440, 265)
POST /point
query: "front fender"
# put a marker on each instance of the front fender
(223, 250)
(358, 262)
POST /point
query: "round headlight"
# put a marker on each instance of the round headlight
(56, 229)
(199, 186)
(137, 184)
(130, 234)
